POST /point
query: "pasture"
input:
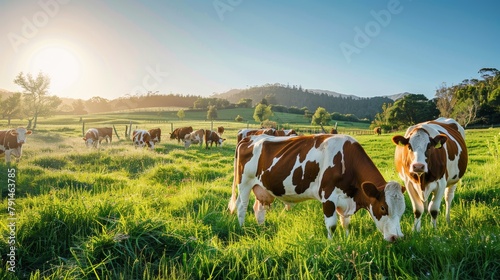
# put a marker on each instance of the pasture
(125, 213)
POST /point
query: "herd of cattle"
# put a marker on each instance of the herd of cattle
(334, 169)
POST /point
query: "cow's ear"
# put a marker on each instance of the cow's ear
(370, 189)
(29, 132)
(439, 140)
(400, 140)
(13, 133)
(85, 139)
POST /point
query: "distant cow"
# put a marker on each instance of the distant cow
(195, 137)
(220, 130)
(377, 130)
(212, 137)
(333, 131)
(333, 169)
(11, 142)
(431, 158)
(155, 134)
(142, 138)
(180, 133)
(94, 136)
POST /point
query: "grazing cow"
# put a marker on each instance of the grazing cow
(377, 130)
(220, 130)
(431, 158)
(142, 138)
(155, 134)
(180, 133)
(11, 142)
(333, 169)
(94, 136)
(212, 137)
(195, 137)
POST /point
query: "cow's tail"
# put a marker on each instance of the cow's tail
(232, 202)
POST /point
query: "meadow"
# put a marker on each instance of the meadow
(125, 213)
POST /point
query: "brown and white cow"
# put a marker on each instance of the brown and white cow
(213, 137)
(195, 137)
(333, 169)
(142, 138)
(180, 133)
(431, 158)
(94, 136)
(155, 134)
(11, 143)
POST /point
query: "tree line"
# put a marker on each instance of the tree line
(472, 102)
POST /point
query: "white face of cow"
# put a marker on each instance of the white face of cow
(220, 141)
(420, 145)
(89, 142)
(21, 134)
(390, 224)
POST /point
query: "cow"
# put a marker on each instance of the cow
(142, 138)
(155, 134)
(11, 142)
(290, 132)
(212, 137)
(377, 130)
(333, 131)
(431, 158)
(220, 130)
(242, 133)
(333, 169)
(180, 133)
(195, 137)
(94, 136)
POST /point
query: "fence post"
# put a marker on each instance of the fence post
(83, 128)
(116, 133)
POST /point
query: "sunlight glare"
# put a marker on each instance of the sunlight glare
(60, 65)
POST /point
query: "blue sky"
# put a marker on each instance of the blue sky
(366, 48)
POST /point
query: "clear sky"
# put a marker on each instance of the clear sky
(366, 48)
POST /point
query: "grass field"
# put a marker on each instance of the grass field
(125, 213)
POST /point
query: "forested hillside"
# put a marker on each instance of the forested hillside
(293, 96)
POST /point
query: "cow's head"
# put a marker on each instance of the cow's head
(187, 140)
(420, 146)
(386, 208)
(20, 134)
(221, 140)
(89, 142)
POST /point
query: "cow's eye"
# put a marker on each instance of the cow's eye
(410, 148)
(382, 208)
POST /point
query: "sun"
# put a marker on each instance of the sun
(60, 64)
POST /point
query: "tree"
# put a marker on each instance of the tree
(180, 114)
(262, 112)
(98, 104)
(79, 107)
(212, 112)
(244, 103)
(239, 118)
(11, 107)
(321, 117)
(37, 102)
(412, 109)
(445, 100)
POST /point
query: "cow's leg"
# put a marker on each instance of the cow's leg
(436, 202)
(260, 211)
(7, 156)
(449, 194)
(331, 217)
(417, 204)
(242, 202)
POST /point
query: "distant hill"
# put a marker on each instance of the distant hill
(293, 96)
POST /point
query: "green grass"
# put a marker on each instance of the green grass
(125, 213)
